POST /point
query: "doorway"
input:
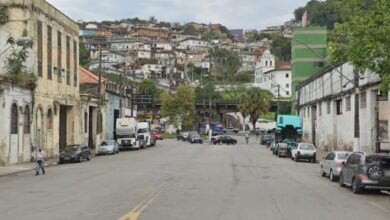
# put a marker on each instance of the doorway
(313, 123)
(116, 115)
(62, 127)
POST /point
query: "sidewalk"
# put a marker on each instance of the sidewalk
(23, 167)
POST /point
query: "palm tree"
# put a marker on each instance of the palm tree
(152, 20)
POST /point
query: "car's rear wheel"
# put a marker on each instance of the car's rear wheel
(341, 180)
(331, 176)
(356, 188)
(89, 157)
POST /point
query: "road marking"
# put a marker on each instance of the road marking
(136, 212)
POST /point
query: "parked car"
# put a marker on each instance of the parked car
(224, 139)
(157, 136)
(304, 151)
(194, 137)
(231, 130)
(366, 171)
(108, 147)
(75, 153)
(182, 136)
(282, 150)
(333, 163)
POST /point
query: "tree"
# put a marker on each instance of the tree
(255, 103)
(83, 55)
(281, 47)
(179, 108)
(189, 29)
(226, 62)
(152, 20)
(364, 39)
(147, 87)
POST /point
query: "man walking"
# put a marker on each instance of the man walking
(40, 162)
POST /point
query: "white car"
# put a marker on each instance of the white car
(333, 163)
(304, 151)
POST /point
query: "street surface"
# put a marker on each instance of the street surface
(182, 181)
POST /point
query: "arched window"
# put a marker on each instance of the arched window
(49, 119)
(27, 122)
(14, 119)
(85, 122)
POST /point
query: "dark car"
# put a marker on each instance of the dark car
(194, 138)
(224, 140)
(366, 171)
(266, 139)
(182, 136)
(75, 153)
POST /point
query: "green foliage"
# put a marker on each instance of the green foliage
(328, 13)
(144, 61)
(179, 108)
(118, 79)
(147, 87)
(242, 77)
(190, 30)
(226, 62)
(3, 15)
(364, 39)
(15, 64)
(254, 103)
(152, 20)
(258, 36)
(83, 55)
(281, 47)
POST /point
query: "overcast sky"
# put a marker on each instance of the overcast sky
(247, 14)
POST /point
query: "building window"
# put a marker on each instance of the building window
(59, 50)
(328, 107)
(270, 63)
(59, 75)
(287, 85)
(26, 123)
(49, 119)
(75, 62)
(85, 122)
(348, 103)
(319, 64)
(39, 47)
(320, 108)
(339, 107)
(287, 93)
(363, 100)
(14, 119)
(286, 75)
(266, 63)
(67, 77)
(49, 52)
(67, 59)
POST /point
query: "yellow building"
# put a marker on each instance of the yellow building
(56, 118)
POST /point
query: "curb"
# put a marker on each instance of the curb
(29, 169)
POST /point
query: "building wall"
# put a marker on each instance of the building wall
(113, 103)
(305, 62)
(14, 148)
(334, 130)
(54, 93)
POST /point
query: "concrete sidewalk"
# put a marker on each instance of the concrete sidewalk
(23, 167)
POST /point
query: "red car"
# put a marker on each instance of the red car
(157, 136)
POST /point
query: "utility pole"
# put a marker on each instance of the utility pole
(278, 100)
(356, 113)
(100, 81)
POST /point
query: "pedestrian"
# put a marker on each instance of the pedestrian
(40, 162)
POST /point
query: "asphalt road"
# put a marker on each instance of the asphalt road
(181, 181)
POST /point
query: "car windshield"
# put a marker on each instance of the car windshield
(384, 161)
(195, 136)
(342, 156)
(108, 142)
(142, 130)
(72, 147)
(125, 136)
(306, 147)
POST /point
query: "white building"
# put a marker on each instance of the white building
(276, 80)
(192, 44)
(162, 46)
(150, 70)
(326, 103)
(247, 61)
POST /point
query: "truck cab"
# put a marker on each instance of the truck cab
(144, 135)
(126, 133)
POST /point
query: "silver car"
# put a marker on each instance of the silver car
(333, 163)
(108, 147)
